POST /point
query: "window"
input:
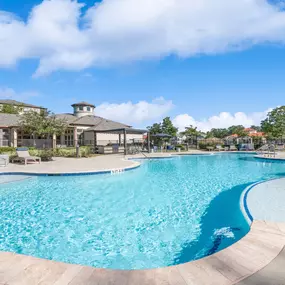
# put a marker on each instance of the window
(88, 109)
(80, 108)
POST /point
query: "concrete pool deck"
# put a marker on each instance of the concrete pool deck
(95, 164)
(258, 258)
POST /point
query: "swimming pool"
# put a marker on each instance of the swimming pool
(166, 212)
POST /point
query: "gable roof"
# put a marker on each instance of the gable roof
(12, 120)
(18, 103)
(92, 121)
(9, 120)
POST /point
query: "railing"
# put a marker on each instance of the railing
(5, 143)
(37, 143)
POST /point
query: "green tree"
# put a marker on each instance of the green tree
(42, 124)
(190, 131)
(239, 130)
(256, 128)
(168, 128)
(155, 129)
(217, 133)
(274, 124)
(10, 109)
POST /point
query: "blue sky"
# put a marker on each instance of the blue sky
(135, 79)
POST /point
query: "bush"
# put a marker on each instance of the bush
(182, 147)
(204, 145)
(47, 154)
(7, 149)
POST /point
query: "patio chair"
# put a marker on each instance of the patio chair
(4, 160)
(23, 155)
(233, 148)
(279, 147)
(262, 149)
(250, 147)
(219, 147)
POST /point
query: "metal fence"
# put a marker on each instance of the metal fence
(37, 143)
(4, 143)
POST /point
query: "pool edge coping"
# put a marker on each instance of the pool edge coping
(135, 165)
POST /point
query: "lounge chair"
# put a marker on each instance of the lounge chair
(233, 148)
(263, 149)
(250, 147)
(219, 148)
(23, 155)
(4, 160)
(279, 147)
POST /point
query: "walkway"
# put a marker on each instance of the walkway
(73, 165)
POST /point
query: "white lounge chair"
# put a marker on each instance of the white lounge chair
(219, 148)
(4, 160)
(233, 148)
(23, 155)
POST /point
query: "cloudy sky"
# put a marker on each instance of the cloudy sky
(202, 62)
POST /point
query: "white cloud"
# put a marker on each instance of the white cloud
(135, 113)
(116, 31)
(9, 93)
(223, 120)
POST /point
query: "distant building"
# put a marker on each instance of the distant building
(254, 133)
(23, 107)
(81, 126)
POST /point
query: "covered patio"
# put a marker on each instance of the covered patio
(122, 146)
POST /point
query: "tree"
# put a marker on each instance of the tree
(11, 109)
(42, 124)
(218, 133)
(256, 128)
(168, 128)
(155, 129)
(238, 130)
(274, 124)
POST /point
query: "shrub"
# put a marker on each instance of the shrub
(44, 154)
(204, 145)
(182, 147)
(7, 149)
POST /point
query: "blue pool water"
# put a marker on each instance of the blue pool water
(166, 212)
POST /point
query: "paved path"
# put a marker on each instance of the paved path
(73, 165)
(263, 243)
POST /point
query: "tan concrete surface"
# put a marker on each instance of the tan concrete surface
(73, 165)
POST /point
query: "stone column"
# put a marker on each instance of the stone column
(54, 141)
(14, 137)
(148, 142)
(125, 142)
(75, 136)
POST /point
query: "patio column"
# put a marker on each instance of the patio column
(95, 141)
(54, 141)
(14, 137)
(120, 139)
(75, 136)
(125, 142)
(148, 142)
